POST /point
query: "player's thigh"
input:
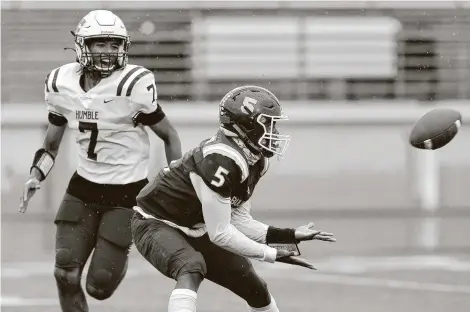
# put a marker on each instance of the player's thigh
(166, 248)
(233, 272)
(108, 264)
(76, 229)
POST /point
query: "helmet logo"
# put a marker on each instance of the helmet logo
(248, 105)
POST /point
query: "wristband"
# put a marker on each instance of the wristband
(277, 235)
(43, 161)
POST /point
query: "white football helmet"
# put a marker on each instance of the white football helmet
(101, 24)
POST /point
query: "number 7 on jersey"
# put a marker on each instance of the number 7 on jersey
(93, 127)
(219, 176)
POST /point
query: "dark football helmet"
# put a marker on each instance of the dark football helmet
(252, 113)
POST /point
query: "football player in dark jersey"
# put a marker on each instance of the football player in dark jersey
(193, 222)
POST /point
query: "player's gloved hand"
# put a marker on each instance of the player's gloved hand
(293, 260)
(306, 232)
(289, 258)
(29, 189)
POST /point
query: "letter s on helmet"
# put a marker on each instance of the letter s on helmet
(252, 113)
(100, 24)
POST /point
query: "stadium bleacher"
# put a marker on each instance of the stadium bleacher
(319, 54)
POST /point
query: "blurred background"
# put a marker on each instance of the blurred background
(353, 77)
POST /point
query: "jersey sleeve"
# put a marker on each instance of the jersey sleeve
(144, 91)
(143, 95)
(220, 173)
(50, 86)
(222, 168)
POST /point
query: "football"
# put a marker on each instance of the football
(435, 129)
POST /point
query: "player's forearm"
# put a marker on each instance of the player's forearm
(216, 211)
(257, 230)
(235, 241)
(221, 232)
(44, 157)
(52, 146)
(53, 139)
(224, 234)
(263, 233)
(173, 147)
(252, 228)
(167, 133)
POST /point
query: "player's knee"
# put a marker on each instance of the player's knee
(66, 272)
(259, 291)
(99, 293)
(63, 258)
(102, 284)
(195, 263)
(68, 279)
(256, 291)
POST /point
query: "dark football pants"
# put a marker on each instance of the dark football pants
(174, 254)
(83, 227)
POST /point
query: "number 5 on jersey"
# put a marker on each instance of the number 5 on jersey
(219, 176)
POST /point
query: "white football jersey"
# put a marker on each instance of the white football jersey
(111, 149)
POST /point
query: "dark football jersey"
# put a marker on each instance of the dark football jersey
(222, 166)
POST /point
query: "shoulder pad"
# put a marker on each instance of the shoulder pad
(229, 152)
(130, 76)
(51, 80)
(220, 173)
(138, 84)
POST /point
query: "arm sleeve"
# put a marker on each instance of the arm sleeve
(217, 215)
(244, 222)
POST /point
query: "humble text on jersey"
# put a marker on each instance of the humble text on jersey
(84, 114)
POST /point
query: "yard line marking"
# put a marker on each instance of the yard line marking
(340, 279)
(14, 301)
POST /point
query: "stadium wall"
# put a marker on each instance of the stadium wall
(342, 156)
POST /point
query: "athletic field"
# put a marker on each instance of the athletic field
(374, 266)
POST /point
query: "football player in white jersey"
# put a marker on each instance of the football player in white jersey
(109, 103)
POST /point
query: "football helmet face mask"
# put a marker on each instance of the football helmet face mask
(101, 25)
(252, 113)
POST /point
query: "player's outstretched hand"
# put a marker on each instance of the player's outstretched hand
(306, 232)
(30, 187)
(293, 260)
